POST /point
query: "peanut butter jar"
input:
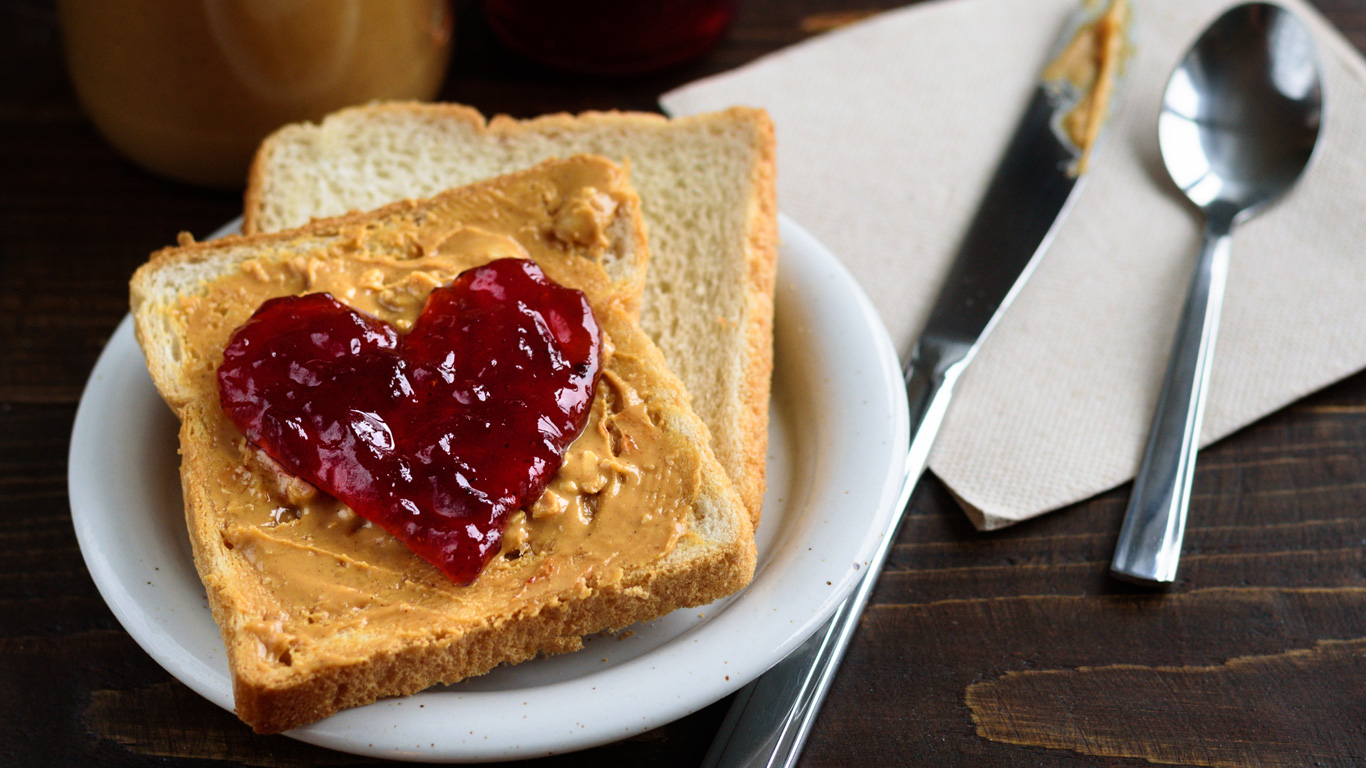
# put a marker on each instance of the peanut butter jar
(188, 88)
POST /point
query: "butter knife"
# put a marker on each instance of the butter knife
(1033, 187)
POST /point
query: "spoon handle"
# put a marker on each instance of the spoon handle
(1150, 541)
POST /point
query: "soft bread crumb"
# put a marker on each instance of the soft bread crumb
(706, 185)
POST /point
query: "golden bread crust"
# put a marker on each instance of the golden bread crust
(714, 558)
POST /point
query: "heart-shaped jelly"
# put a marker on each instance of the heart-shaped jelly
(436, 436)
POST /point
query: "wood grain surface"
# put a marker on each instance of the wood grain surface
(1003, 649)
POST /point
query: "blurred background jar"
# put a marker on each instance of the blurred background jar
(188, 88)
(610, 37)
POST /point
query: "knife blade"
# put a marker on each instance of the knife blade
(1029, 195)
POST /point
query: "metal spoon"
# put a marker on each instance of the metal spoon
(1240, 119)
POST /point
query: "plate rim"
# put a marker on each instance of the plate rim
(339, 731)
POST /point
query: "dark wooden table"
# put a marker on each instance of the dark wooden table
(1007, 649)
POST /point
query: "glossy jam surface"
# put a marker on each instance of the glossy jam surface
(436, 436)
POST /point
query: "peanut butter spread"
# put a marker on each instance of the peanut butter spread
(306, 566)
(1089, 64)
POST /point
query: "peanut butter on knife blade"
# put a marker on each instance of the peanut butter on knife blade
(1088, 66)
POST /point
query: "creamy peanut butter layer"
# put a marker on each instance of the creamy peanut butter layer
(311, 567)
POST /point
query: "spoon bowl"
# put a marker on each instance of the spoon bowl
(1241, 114)
(1240, 119)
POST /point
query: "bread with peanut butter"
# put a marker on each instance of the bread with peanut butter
(706, 185)
(321, 610)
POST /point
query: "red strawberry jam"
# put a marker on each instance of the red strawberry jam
(436, 436)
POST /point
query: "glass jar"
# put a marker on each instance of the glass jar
(612, 37)
(188, 88)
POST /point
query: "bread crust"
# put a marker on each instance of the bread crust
(762, 255)
(716, 558)
(740, 434)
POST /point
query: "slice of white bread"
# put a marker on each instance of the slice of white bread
(321, 611)
(706, 185)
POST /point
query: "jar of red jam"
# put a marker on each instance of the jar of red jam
(610, 37)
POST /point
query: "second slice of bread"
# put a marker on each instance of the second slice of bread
(706, 185)
(321, 611)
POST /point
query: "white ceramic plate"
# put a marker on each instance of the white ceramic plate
(837, 442)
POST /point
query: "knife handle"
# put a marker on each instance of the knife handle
(1149, 543)
(768, 722)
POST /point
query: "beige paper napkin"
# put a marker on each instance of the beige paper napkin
(887, 133)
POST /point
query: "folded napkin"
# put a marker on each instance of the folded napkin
(887, 133)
